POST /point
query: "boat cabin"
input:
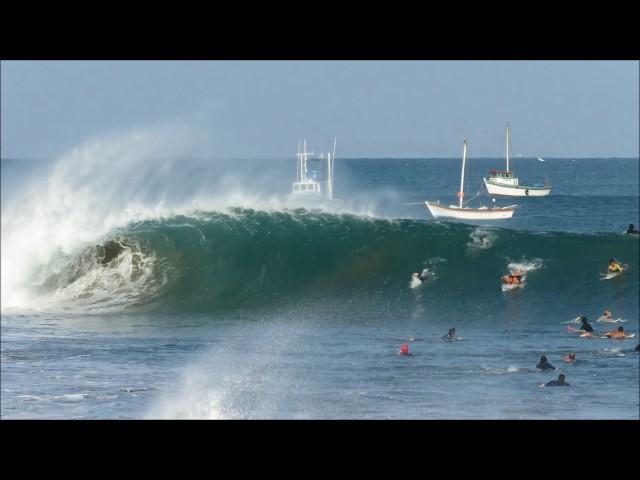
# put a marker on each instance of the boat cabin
(503, 177)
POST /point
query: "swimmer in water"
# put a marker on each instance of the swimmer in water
(421, 276)
(570, 358)
(617, 334)
(632, 230)
(404, 349)
(637, 349)
(557, 383)
(544, 364)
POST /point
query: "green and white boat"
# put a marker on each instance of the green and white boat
(506, 182)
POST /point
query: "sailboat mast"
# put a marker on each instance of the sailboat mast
(298, 163)
(304, 160)
(507, 146)
(464, 159)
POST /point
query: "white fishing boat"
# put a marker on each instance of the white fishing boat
(311, 181)
(467, 213)
(506, 182)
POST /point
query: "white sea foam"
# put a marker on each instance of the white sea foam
(104, 184)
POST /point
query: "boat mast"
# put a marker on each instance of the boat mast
(507, 146)
(332, 159)
(298, 163)
(464, 159)
(304, 161)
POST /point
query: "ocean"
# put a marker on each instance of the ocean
(142, 285)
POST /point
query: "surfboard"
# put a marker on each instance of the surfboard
(574, 320)
(629, 337)
(606, 320)
(609, 276)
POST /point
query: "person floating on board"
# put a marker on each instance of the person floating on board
(606, 316)
(557, 383)
(451, 335)
(614, 266)
(632, 230)
(544, 364)
(618, 334)
(570, 358)
(512, 279)
(585, 328)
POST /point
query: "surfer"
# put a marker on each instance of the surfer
(570, 358)
(512, 279)
(606, 316)
(618, 334)
(557, 383)
(422, 276)
(614, 267)
(451, 335)
(544, 364)
(586, 326)
(632, 230)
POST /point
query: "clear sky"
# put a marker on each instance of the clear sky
(375, 108)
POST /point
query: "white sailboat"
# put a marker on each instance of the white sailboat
(468, 213)
(308, 182)
(506, 183)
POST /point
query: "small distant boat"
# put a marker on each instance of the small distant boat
(506, 182)
(310, 181)
(467, 213)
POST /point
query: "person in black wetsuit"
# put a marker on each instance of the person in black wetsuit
(586, 326)
(451, 335)
(544, 364)
(557, 383)
(637, 349)
(632, 230)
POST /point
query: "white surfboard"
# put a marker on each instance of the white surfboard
(610, 320)
(574, 320)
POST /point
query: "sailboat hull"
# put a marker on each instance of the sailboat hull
(516, 191)
(452, 211)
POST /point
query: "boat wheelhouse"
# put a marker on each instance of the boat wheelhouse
(311, 179)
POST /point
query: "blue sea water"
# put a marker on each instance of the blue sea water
(185, 288)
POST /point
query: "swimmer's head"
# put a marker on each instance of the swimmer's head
(583, 319)
(613, 260)
(607, 313)
(452, 331)
(621, 328)
(561, 377)
(572, 356)
(543, 359)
